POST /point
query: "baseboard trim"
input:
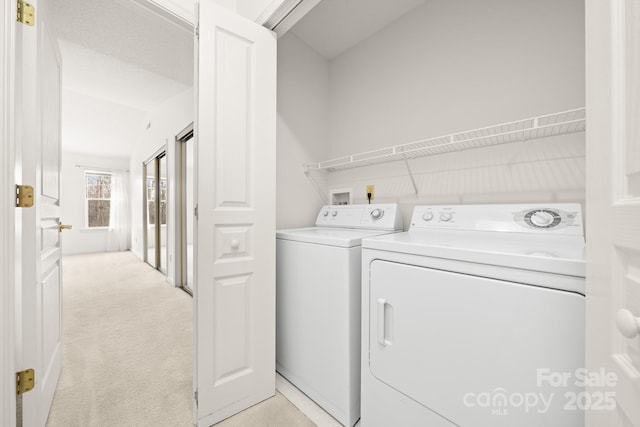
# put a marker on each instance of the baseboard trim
(315, 413)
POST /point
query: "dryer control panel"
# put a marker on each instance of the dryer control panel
(380, 216)
(553, 218)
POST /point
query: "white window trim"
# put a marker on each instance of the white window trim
(86, 199)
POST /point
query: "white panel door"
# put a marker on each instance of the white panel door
(235, 196)
(613, 206)
(7, 216)
(38, 101)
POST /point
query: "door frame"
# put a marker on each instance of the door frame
(180, 207)
(155, 160)
(7, 214)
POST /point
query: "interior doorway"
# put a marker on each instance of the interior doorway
(127, 89)
(155, 211)
(186, 206)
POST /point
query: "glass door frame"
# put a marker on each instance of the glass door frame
(184, 137)
(153, 161)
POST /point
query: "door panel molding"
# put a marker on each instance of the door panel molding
(235, 195)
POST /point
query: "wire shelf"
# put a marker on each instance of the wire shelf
(565, 122)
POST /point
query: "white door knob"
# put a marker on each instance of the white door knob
(235, 244)
(627, 323)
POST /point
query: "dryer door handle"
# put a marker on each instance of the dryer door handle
(384, 322)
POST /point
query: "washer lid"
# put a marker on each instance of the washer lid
(559, 254)
(341, 237)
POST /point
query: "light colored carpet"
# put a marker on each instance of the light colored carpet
(127, 354)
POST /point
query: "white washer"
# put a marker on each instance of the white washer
(318, 283)
(467, 314)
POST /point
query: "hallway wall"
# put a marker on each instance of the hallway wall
(98, 126)
(159, 130)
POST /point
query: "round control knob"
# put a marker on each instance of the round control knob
(377, 213)
(325, 213)
(445, 216)
(627, 323)
(427, 216)
(542, 218)
(334, 213)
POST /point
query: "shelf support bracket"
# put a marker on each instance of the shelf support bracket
(322, 193)
(413, 181)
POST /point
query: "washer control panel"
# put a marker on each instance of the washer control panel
(544, 218)
(555, 218)
(382, 216)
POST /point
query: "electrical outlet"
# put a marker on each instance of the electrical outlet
(371, 189)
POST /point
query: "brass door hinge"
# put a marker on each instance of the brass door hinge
(26, 13)
(24, 196)
(24, 381)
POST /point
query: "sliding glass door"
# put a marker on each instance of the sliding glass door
(155, 211)
(161, 226)
(187, 205)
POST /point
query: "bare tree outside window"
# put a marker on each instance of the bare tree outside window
(98, 196)
(163, 201)
(151, 200)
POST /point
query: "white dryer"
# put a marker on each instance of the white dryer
(473, 316)
(318, 283)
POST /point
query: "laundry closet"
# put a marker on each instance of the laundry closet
(359, 76)
(417, 102)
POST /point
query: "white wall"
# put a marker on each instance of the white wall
(81, 239)
(454, 65)
(159, 130)
(105, 127)
(302, 126)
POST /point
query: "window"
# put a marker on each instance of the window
(98, 199)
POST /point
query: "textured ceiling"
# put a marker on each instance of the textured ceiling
(108, 78)
(119, 61)
(127, 31)
(334, 26)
